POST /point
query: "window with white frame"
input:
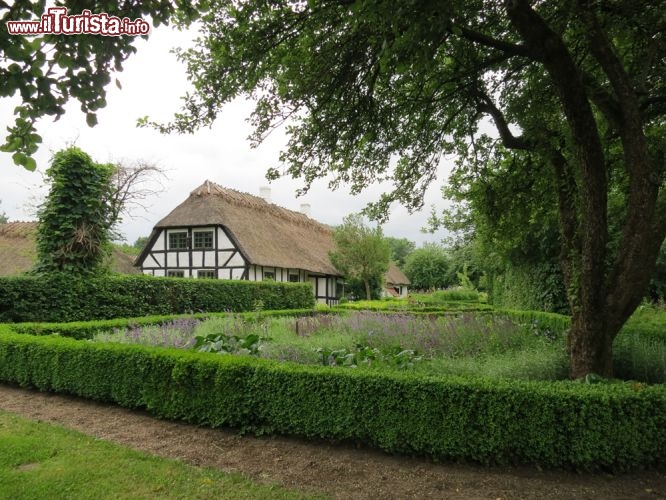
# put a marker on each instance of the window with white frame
(175, 273)
(206, 273)
(202, 240)
(178, 240)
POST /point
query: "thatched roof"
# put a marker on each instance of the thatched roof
(394, 276)
(18, 250)
(267, 234)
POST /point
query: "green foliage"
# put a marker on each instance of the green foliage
(223, 343)
(56, 298)
(657, 290)
(530, 286)
(133, 249)
(74, 231)
(446, 296)
(378, 91)
(45, 71)
(615, 426)
(364, 355)
(428, 267)
(400, 250)
(361, 252)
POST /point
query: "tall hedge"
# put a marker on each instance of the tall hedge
(562, 424)
(59, 298)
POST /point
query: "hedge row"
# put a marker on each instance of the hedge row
(88, 329)
(559, 424)
(59, 298)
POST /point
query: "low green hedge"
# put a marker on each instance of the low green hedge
(59, 298)
(560, 424)
(88, 329)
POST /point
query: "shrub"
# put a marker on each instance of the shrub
(562, 424)
(57, 298)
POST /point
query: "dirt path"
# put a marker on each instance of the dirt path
(339, 471)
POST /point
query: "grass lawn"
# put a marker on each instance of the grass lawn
(39, 460)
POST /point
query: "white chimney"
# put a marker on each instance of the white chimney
(265, 193)
(305, 209)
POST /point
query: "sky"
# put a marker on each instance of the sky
(153, 82)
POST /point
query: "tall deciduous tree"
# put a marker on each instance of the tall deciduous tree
(428, 267)
(47, 70)
(74, 229)
(575, 91)
(361, 251)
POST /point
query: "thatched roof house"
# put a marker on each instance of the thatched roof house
(18, 250)
(226, 234)
(265, 233)
(396, 281)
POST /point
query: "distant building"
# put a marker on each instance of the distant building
(396, 282)
(18, 250)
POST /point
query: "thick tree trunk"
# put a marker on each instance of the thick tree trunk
(590, 345)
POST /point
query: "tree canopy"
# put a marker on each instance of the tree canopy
(48, 70)
(361, 252)
(574, 91)
(400, 249)
(428, 268)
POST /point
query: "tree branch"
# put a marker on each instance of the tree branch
(488, 41)
(509, 140)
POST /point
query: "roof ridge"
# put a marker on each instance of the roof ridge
(241, 198)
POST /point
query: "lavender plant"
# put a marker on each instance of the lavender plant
(175, 333)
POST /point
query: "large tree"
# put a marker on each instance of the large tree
(361, 252)
(575, 91)
(48, 70)
(428, 267)
(74, 230)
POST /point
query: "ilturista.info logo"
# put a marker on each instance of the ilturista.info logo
(57, 22)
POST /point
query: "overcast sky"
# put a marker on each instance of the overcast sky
(152, 84)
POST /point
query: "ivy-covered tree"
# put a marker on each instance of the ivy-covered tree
(361, 252)
(74, 230)
(428, 268)
(381, 90)
(47, 70)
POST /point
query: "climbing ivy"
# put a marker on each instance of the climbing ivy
(75, 221)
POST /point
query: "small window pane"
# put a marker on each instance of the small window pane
(178, 241)
(203, 239)
(293, 278)
(206, 274)
(269, 276)
(176, 274)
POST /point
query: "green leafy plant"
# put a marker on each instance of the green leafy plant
(229, 344)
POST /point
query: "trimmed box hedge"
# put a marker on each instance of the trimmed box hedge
(88, 329)
(60, 298)
(560, 424)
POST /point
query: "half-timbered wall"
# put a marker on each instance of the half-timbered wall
(222, 260)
